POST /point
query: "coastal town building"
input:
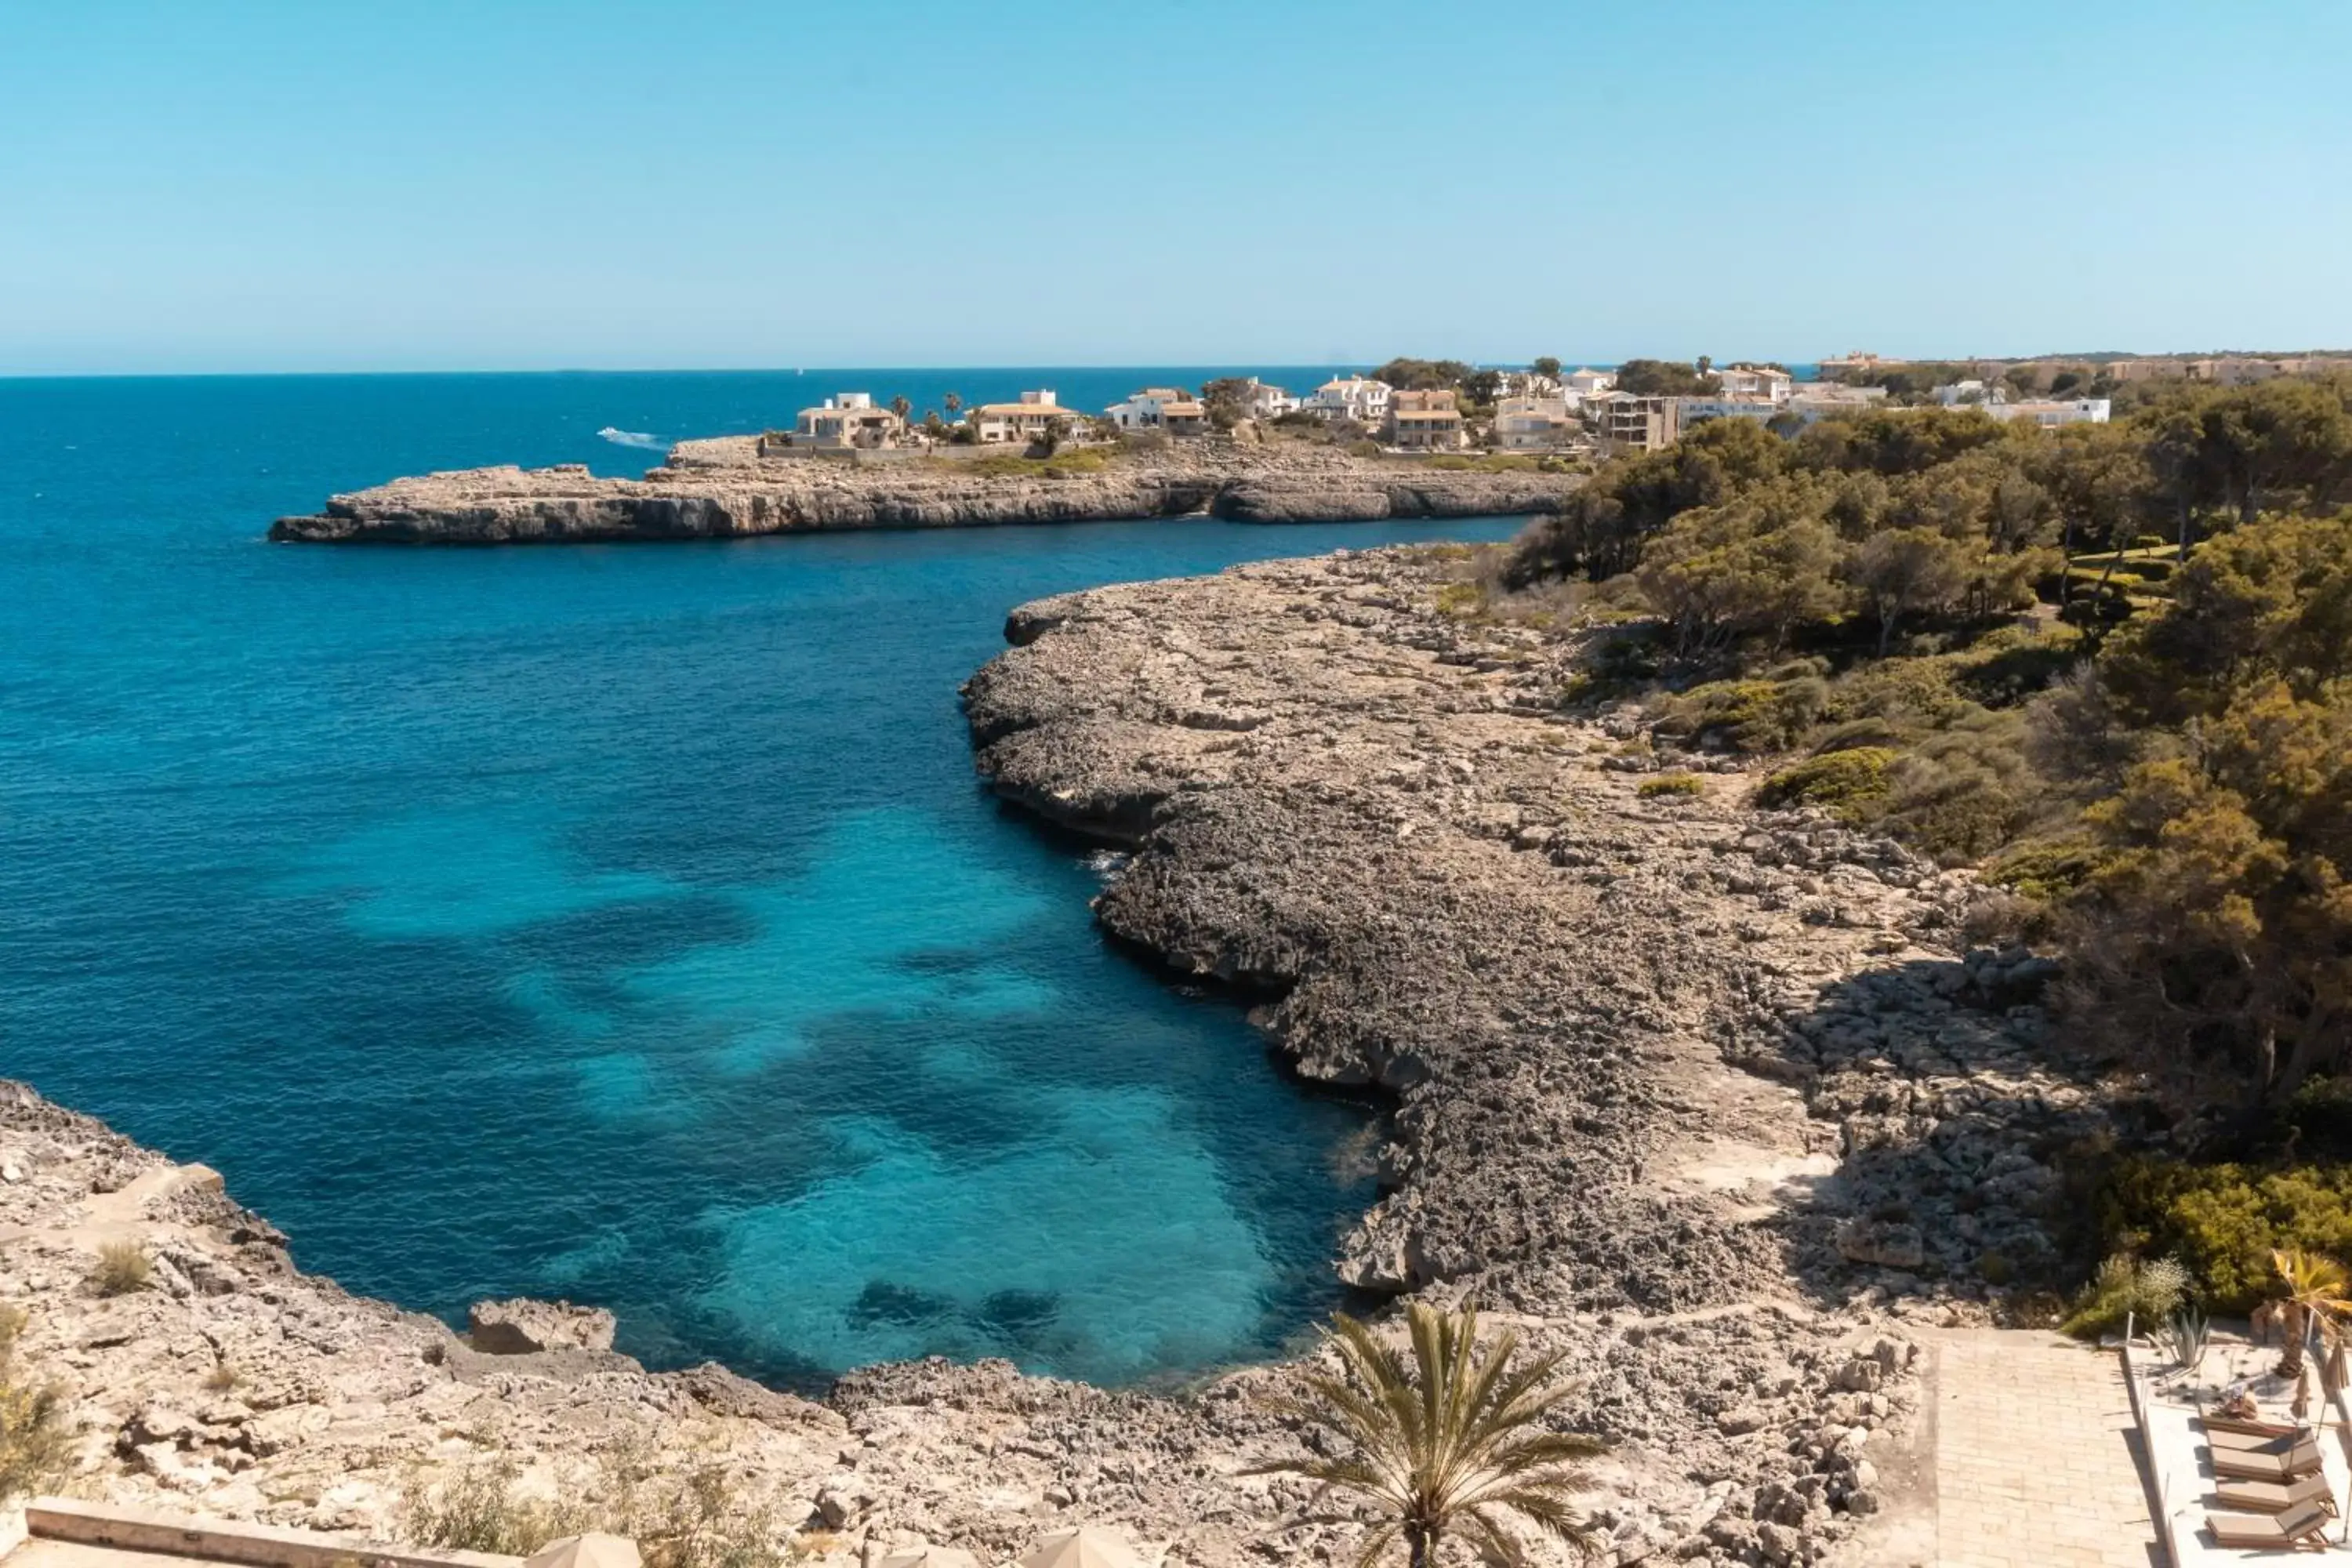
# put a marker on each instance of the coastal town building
(1354, 397)
(1525, 384)
(1171, 410)
(1534, 423)
(1260, 401)
(1585, 382)
(848, 422)
(1857, 362)
(1754, 383)
(1812, 400)
(2049, 413)
(1695, 411)
(1426, 422)
(1024, 421)
(1630, 422)
(1959, 393)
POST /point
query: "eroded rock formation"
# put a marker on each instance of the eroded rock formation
(722, 489)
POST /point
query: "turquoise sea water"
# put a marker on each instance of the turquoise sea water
(622, 922)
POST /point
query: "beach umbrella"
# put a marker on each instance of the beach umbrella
(593, 1550)
(930, 1557)
(1089, 1546)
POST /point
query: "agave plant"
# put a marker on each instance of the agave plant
(2184, 1337)
(2317, 1298)
(1451, 1440)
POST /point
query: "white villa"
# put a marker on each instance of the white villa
(847, 421)
(1265, 402)
(1171, 409)
(1353, 397)
(1585, 384)
(1022, 422)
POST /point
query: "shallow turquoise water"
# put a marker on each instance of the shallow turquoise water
(618, 922)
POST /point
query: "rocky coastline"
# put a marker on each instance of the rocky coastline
(1712, 1100)
(722, 489)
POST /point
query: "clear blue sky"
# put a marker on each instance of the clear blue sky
(490, 185)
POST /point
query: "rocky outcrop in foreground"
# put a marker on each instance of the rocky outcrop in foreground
(722, 489)
(1704, 1098)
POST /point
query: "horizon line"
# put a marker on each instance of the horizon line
(1335, 363)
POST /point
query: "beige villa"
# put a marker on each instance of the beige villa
(1533, 423)
(1425, 422)
(848, 422)
(1023, 421)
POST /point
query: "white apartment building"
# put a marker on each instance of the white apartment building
(2052, 413)
(1754, 383)
(1699, 410)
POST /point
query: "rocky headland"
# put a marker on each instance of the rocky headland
(1712, 1100)
(723, 488)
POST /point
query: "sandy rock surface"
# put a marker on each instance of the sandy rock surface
(1705, 1097)
(721, 488)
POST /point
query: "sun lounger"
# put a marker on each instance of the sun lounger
(2301, 1460)
(2305, 1527)
(2253, 1442)
(2216, 1422)
(2274, 1496)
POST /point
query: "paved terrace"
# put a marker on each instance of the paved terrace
(2036, 1456)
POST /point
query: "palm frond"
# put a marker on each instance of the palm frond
(1374, 1544)
(1443, 1434)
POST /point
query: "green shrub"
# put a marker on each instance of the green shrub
(681, 1514)
(123, 1268)
(1463, 601)
(2145, 1290)
(2223, 1220)
(35, 1437)
(1956, 802)
(2046, 869)
(1363, 448)
(1672, 785)
(480, 1508)
(1904, 690)
(1850, 784)
(1748, 715)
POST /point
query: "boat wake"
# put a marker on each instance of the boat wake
(630, 438)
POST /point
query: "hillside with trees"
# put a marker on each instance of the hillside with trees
(2110, 666)
(2110, 663)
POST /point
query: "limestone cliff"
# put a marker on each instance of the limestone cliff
(722, 489)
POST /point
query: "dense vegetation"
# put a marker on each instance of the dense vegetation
(1667, 378)
(2112, 661)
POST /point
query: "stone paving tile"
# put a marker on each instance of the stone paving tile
(2034, 1467)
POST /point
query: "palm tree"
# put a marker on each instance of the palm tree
(1450, 1442)
(901, 407)
(2317, 1298)
(954, 400)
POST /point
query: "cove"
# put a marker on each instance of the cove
(617, 922)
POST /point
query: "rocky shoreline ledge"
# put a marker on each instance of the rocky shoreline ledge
(1707, 1098)
(722, 489)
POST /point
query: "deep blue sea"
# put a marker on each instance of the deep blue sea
(617, 922)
